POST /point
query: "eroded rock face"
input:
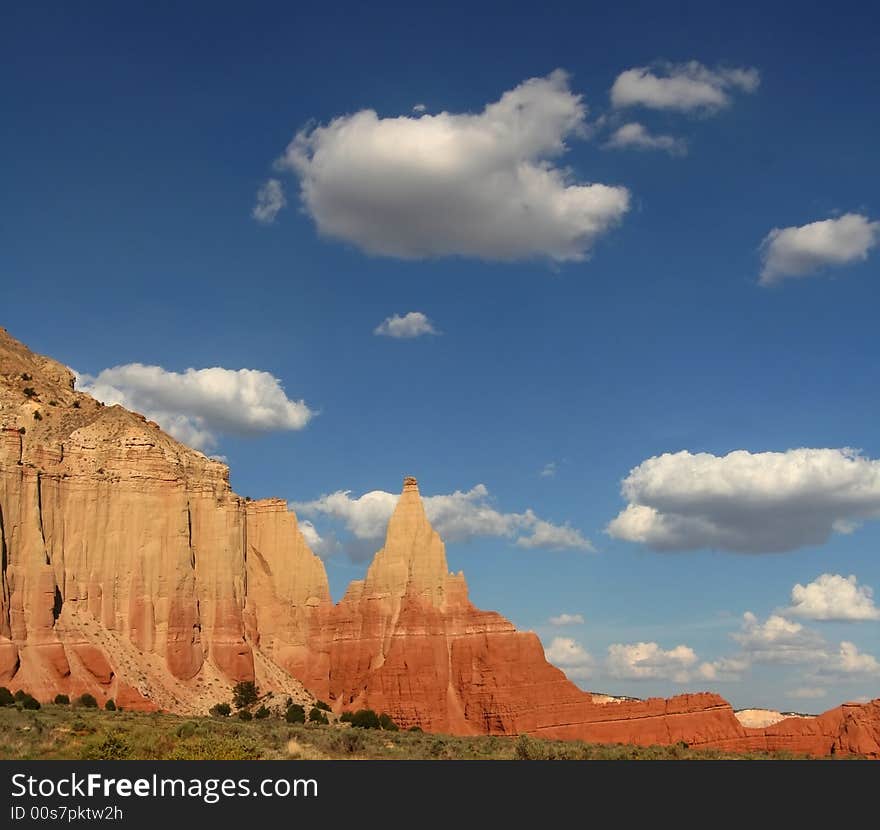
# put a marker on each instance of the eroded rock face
(131, 570)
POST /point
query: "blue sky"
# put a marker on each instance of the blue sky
(134, 144)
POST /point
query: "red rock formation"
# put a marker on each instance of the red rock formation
(131, 570)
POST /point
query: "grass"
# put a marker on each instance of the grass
(63, 733)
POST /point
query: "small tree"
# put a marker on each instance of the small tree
(6, 697)
(87, 701)
(245, 715)
(244, 694)
(323, 706)
(261, 713)
(30, 702)
(110, 705)
(62, 700)
(386, 723)
(295, 714)
(346, 717)
(365, 719)
(20, 695)
(220, 710)
(317, 716)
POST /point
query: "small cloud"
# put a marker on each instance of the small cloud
(270, 200)
(807, 693)
(569, 655)
(831, 243)
(555, 537)
(419, 108)
(635, 136)
(549, 470)
(834, 597)
(405, 326)
(686, 87)
(648, 661)
(567, 619)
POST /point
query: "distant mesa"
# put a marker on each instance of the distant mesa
(132, 571)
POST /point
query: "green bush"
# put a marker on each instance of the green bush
(245, 715)
(214, 748)
(111, 747)
(87, 701)
(295, 714)
(20, 695)
(220, 710)
(415, 729)
(110, 705)
(346, 717)
(62, 700)
(348, 741)
(187, 729)
(365, 719)
(386, 723)
(261, 713)
(244, 694)
(30, 702)
(324, 706)
(6, 697)
(317, 716)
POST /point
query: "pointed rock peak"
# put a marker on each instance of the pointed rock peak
(413, 557)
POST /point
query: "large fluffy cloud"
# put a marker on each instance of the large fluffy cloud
(405, 326)
(801, 251)
(685, 87)
(482, 185)
(748, 502)
(648, 661)
(778, 640)
(635, 136)
(834, 597)
(570, 656)
(457, 516)
(197, 404)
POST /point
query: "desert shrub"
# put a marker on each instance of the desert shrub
(6, 697)
(346, 717)
(62, 700)
(220, 710)
(365, 719)
(261, 713)
(317, 716)
(323, 706)
(187, 729)
(245, 715)
(288, 703)
(26, 376)
(295, 714)
(415, 729)
(214, 748)
(30, 702)
(113, 746)
(386, 723)
(87, 701)
(20, 695)
(244, 694)
(76, 404)
(37, 416)
(348, 741)
(110, 705)
(30, 392)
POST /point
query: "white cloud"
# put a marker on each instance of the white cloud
(549, 470)
(848, 661)
(570, 656)
(833, 597)
(197, 404)
(419, 108)
(555, 537)
(636, 136)
(411, 324)
(567, 619)
(807, 693)
(480, 185)
(801, 251)
(686, 87)
(778, 640)
(457, 516)
(725, 669)
(270, 200)
(747, 502)
(648, 661)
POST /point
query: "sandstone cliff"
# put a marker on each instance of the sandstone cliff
(131, 570)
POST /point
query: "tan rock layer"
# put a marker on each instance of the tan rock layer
(131, 570)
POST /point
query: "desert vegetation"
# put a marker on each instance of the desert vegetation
(72, 732)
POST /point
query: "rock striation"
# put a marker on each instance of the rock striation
(131, 570)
